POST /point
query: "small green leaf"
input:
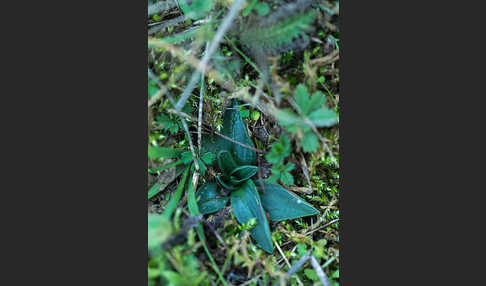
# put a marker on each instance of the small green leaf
(246, 205)
(310, 142)
(323, 117)
(255, 115)
(282, 204)
(262, 8)
(152, 88)
(210, 199)
(311, 274)
(208, 158)
(245, 113)
(279, 150)
(196, 9)
(281, 172)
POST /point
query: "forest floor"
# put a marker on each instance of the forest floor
(306, 249)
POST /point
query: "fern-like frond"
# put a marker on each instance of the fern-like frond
(280, 34)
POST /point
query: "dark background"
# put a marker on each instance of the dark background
(76, 143)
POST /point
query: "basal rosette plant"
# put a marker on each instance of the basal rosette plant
(248, 198)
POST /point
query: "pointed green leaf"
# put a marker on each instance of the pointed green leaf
(323, 117)
(225, 182)
(176, 196)
(235, 128)
(244, 172)
(246, 205)
(282, 204)
(210, 199)
(226, 162)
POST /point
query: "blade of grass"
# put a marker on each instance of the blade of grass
(172, 205)
(154, 190)
(164, 167)
(194, 210)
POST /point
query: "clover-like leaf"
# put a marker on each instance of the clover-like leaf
(210, 199)
(282, 172)
(247, 205)
(279, 151)
(282, 204)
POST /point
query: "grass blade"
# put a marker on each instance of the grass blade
(172, 205)
(194, 210)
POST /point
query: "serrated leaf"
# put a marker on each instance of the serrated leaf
(318, 99)
(282, 204)
(323, 117)
(279, 150)
(287, 178)
(310, 142)
(246, 205)
(209, 198)
(287, 117)
(302, 98)
(208, 158)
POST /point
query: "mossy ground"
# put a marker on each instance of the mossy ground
(241, 262)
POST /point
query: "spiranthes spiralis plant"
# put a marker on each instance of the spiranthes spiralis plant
(249, 199)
